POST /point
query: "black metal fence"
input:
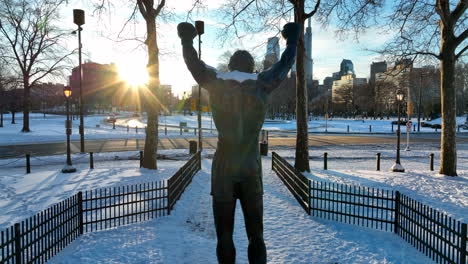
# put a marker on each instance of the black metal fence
(40, 237)
(433, 233)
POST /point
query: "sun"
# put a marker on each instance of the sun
(133, 72)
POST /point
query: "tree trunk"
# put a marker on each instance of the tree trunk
(448, 147)
(26, 105)
(151, 102)
(302, 141)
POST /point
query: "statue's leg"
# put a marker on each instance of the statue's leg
(253, 216)
(223, 212)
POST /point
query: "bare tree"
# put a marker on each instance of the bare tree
(436, 28)
(35, 43)
(150, 10)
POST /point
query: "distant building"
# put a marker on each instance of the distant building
(377, 67)
(346, 82)
(100, 82)
(308, 53)
(347, 68)
(273, 52)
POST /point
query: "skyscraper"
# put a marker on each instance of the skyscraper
(308, 52)
(273, 52)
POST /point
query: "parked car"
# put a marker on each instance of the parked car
(402, 122)
(424, 124)
(136, 114)
(111, 119)
(436, 126)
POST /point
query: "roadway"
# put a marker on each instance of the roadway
(281, 140)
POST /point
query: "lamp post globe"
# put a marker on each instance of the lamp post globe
(397, 166)
(68, 168)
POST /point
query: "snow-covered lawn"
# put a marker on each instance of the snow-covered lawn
(51, 129)
(188, 235)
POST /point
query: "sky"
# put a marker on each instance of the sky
(102, 45)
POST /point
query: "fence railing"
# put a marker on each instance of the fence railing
(40, 237)
(433, 233)
(182, 178)
(297, 183)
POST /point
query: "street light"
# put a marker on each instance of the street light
(397, 166)
(79, 20)
(69, 167)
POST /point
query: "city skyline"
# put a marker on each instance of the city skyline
(101, 48)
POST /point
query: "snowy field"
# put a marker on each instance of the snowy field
(51, 129)
(188, 235)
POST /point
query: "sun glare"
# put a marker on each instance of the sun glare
(133, 73)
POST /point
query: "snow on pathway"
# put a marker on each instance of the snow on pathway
(188, 235)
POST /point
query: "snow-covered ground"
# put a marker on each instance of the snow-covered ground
(188, 235)
(51, 129)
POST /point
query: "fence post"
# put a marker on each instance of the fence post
(414, 128)
(397, 211)
(165, 130)
(180, 130)
(370, 128)
(309, 200)
(136, 129)
(392, 127)
(113, 125)
(431, 161)
(141, 158)
(91, 160)
(325, 157)
(458, 128)
(347, 129)
(28, 163)
(464, 234)
(436, 129)
(378, 161)
(80, 211)
(17, 244)
(168, 182)
(128, 128)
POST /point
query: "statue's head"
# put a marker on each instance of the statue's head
(241, 61)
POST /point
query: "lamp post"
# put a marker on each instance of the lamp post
(69, 167)
(397, 166)
(79, 20)
(419, 101)
(200, 26)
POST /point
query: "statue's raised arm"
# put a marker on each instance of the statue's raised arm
(202, 73)
(271, 78)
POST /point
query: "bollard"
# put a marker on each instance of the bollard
(141, 159)
(436, 129)
(325, 157)
(192, 146)
(458, 128)
(28, 163)
(91, 160)
(378, 161)
(431, 162)
(348, 129)
(113, 125)
(136, 129)
(264, 149)
(128, 128)
(165, 131)
(392, 128)
(370, 128)
(414, 128)
(181, 131)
